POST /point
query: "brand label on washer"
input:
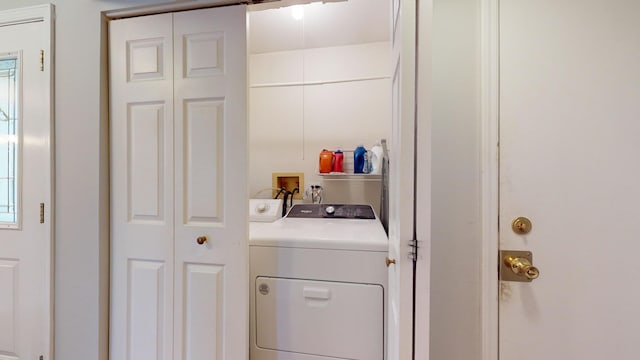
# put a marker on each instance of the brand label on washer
(264, 289)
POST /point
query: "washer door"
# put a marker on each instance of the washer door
(325, 318)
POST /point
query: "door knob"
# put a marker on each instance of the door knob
(201, 240)
(522, 267)
(390, 261)
(517, 266)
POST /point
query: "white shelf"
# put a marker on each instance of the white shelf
(348, 167)
(349, 176)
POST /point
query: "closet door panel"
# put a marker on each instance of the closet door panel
(146, 320)
(210, 179)
(203, 146)
(203, 290)
(145, 165)
(142, 226)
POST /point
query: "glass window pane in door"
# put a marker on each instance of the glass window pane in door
(9, 141)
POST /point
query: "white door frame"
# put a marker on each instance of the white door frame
(489, 118)
(422, 298)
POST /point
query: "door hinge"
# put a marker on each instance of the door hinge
(41, 213)
(413, 250)
(41, 60)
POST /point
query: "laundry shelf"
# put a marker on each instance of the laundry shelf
(349, 176)
(348, 167)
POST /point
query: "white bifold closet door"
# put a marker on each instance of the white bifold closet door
(178, 176)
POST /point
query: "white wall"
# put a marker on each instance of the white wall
(456, 229)
(290, 125)
(81, 181)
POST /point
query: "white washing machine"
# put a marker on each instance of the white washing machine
(318, 285)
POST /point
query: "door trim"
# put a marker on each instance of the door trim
(422, 275)
(26, 15)
(490, 206)
(171, 7)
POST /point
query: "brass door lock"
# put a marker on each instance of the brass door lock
(521, 225)
(517, 266)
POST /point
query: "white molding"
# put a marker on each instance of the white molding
(424, 109)
(170, 7)
(48, 13)
(26, 15)
(321, 82)
(275, 4)
(489, 107)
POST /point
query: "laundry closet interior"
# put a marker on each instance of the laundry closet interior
(207, 107)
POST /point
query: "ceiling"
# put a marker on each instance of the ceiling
(273, 28)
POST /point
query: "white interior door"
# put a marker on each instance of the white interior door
(401, 178)
(211, 234)
(179, 285)
(569, 130)
(25, 183)
(141, 68)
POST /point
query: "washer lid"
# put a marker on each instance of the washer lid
(324, 233)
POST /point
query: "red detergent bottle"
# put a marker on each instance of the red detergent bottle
(338, 161)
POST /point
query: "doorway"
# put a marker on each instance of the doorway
(319, 78)
(178, 155)
(151, 270)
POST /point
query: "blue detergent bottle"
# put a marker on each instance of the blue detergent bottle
(358, 159)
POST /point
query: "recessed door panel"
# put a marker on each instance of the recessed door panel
(203, 309)
(146, 161)
(204, 54)
(203, 166)
(8, 301)
(146, 309)
(146, 59)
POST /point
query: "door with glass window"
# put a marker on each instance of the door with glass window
(25, 184)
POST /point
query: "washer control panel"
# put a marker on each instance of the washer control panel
(265, 210)
(324, 211)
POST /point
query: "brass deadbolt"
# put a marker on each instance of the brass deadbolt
(521, 225)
